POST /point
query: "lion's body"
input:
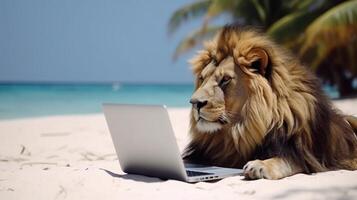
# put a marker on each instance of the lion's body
(277, 115)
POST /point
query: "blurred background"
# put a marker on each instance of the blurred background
(68, 57)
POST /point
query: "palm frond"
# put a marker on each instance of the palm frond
(335, 28)
(188, 12)
(219, 6)
(304, 4)
(260, 10)
(194, 39)
(286, 29)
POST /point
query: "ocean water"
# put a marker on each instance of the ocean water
(31, 100)
(28, 100)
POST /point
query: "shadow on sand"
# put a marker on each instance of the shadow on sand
(134, 177)
(147, 179)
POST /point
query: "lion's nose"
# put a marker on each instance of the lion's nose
(198, 104)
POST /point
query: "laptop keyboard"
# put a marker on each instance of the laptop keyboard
(194, 173)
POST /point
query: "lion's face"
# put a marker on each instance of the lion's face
(223, 86)
(218, 96)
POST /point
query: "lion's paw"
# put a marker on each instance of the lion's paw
(257, 169)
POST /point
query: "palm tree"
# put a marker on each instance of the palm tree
(322, 33)
(242, 12)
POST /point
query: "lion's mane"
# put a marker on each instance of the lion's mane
(287, 116)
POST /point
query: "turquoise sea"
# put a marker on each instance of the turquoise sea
(31, 100)
(28, 100)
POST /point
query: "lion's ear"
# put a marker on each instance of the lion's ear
(259, 60)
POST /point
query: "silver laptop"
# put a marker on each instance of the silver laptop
(145, 144)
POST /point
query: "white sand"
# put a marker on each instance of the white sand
(72, 157)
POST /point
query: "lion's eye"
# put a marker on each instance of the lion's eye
(224, 81)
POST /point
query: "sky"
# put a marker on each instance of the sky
(91, 41)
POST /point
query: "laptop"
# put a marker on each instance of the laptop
(145, 144)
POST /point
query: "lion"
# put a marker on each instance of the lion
(257, 107)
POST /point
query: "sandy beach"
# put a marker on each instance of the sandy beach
(72, 157)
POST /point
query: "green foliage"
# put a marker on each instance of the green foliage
(335, 28)
(188, 12)
(192, 39)
(291, 26)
